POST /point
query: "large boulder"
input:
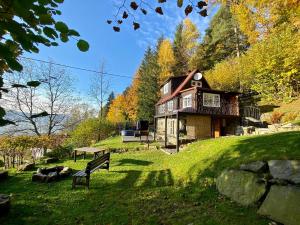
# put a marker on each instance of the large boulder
(51, 160)
(241, 186)
(4, 204)
(27, 167)
(282, 205)
(285, 169)
(256, 167)
(3, 175)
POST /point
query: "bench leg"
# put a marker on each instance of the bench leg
(74, 182)
(88, 182)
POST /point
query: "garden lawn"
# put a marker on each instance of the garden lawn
(117, 143)
(150, 187)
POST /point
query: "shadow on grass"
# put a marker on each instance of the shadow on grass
(128, 162)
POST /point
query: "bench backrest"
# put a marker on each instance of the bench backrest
(94, 164)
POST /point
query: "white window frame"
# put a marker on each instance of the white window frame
(166, 88)
(170, 105)
(187, 101)
(211, 100)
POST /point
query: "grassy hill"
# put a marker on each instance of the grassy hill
(150, 187)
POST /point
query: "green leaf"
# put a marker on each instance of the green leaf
(73, 33)
(61, 27)
(64, 37)
(42, 114)
(49, 32)
(179, 3)
(18, 86)
(2, 112)
(83, 45)
(33, 83)
(14, 64)
(5, 122)
(59, 1)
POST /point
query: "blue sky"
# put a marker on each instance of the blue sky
(122, 52)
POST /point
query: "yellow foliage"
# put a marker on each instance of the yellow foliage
(116, 113)
(131, 99)
(190, 35)
(166, 60)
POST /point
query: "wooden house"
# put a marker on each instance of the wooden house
(190, 110)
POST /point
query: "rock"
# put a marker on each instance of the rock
(3, 175)
(52, 176)
(39, 177)
(282, 205)
(51, 160)
(4, 204)
(278, 182)
(241, 186)
(66, 171)
(285, 169)
(26, 167)
(256, 167)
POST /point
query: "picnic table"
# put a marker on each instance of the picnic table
(95, 151)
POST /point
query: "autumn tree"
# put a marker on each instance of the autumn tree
(109, 101)
(131, 98)
(117, 112)
(184, 46)
(166, 60)
(222, 39)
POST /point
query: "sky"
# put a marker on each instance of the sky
(122, 52)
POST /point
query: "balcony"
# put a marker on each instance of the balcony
(227, 107)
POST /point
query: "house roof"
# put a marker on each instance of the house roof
(180, 89)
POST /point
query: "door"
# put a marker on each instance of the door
(216, 128)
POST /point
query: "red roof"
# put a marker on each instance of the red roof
(178, 89)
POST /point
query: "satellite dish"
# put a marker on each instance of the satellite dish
(198, 76)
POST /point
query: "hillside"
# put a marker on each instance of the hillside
(150, 187)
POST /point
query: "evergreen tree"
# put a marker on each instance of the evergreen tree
(181, 61)
(222, 39)
(148, 87)
(110, 99)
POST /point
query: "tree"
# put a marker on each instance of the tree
(24, 25)
(127, 11)
(110, 99)
(258, 18)
(52, 99)
(148, 91)
(222, 39)
(185, 45)
(166, 60)
(131, 97)
(99, 90)
(117, 112)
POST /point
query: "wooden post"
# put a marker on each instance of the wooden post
(177, 131)
(75, 153)
(166, 131)
(84, 154)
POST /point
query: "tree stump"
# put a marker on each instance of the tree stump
(4, 204)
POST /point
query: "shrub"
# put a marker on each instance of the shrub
(1, 163)
(276, 117)
(290, 116)
(60, 152)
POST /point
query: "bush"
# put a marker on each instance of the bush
(60, 152)
(1, 163)
(289, 117)
(276, 117)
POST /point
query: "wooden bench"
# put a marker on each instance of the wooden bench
(101, 162)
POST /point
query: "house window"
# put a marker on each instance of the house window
(187, 101)
(161, 109)
(211, 100)
(172, 127)
(166, 88)
(170, 106)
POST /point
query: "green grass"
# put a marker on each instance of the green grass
(117, 143)
(150, 187)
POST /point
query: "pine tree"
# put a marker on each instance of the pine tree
(148, 88)
(110, 99)
(222, 39)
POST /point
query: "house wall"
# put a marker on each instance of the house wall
(198, 126)
(171, 130)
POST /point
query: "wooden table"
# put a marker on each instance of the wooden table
(85, 150)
